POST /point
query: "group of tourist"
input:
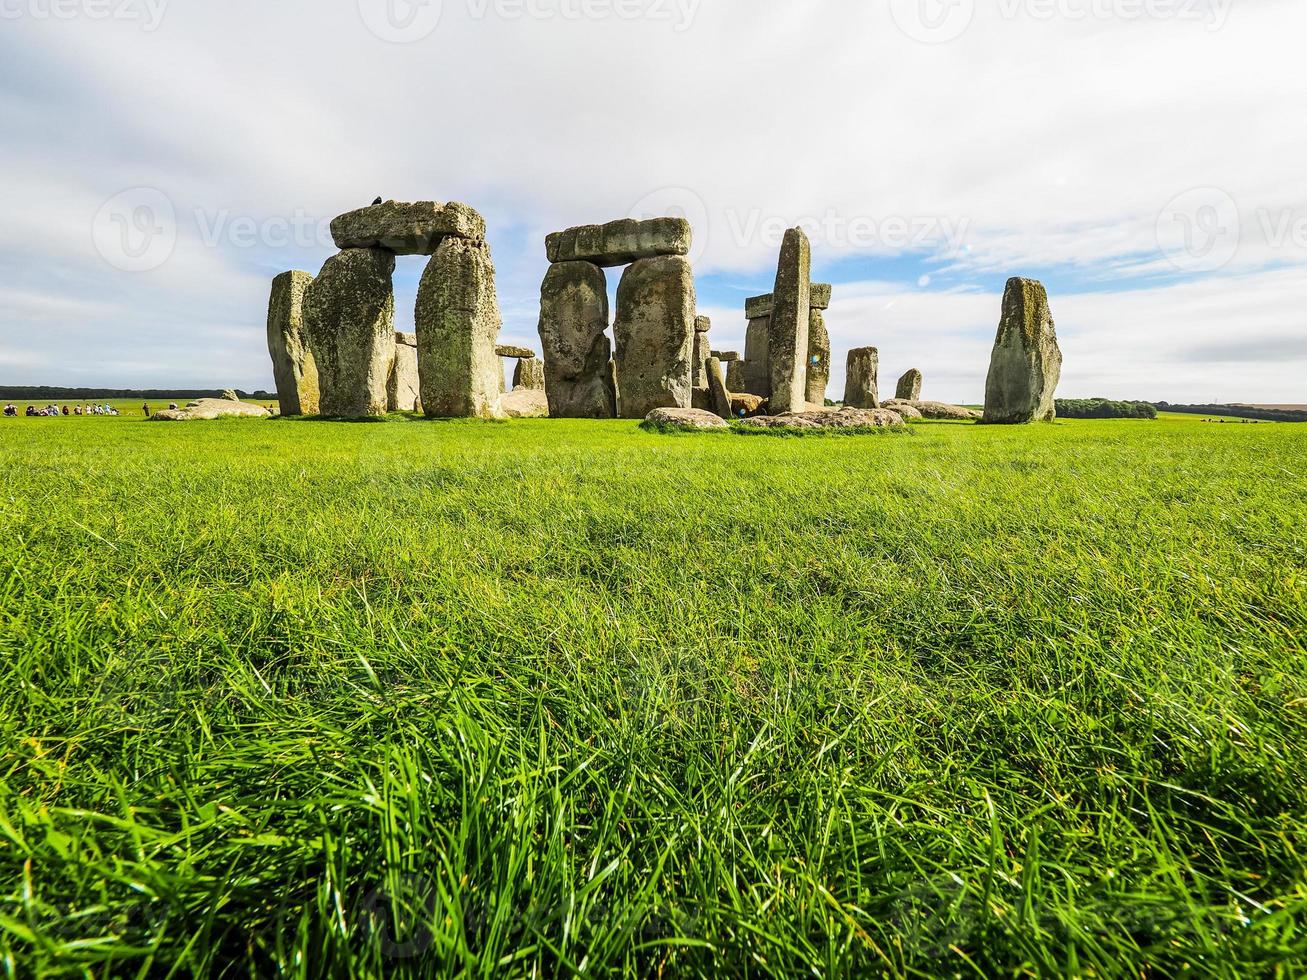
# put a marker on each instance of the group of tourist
(51, 411)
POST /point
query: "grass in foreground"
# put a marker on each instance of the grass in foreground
(547, 698)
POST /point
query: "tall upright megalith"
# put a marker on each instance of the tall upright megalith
(457, 319)
(787, 336)
(530, 374)
(756, 371)
(293, 367)
(861, 385)
(654, 330)
(403, 390)
(702, 350)
(909, 387)
(349, 321)
(818, 358)
(1026, 364)
(578, 372)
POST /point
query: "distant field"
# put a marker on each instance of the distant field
(1281, 408)
(565, 698)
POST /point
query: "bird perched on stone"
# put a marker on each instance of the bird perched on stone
(377, 201)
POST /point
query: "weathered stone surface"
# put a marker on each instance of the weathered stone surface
(210, 408)
(415, 228)
(757, 307)
(909, 387)
(620, 242)
(743, 404)
(940, 411)
(525, 403)
(1026, 364)
(457, 319)
(701, 398)
(511, 351)
(229, 395)
(719, 396)
(819, 296)
(690, 419)
(735, 376)
(403, 388)
(293, 367)
(757, 362)
(702, 351)
(726, 356)
(909, 412)
(654, 329)
(861, 384)
(831, 418)
(349, 323)
(818, 358)
(787, 337)
(577, 353)
(529, 373)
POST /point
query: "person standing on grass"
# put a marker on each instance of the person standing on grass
(146, 406)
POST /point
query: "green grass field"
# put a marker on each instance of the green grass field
(553, 698)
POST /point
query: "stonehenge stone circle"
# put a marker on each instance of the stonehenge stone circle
(787, 336)
(577, 352)
(407, 229)
(861, 387)
(909, 387)
(702, 350)
(719, 397)
(818, 358)
(403, 389)
(457, 319)
(620, 242)
(1026, 363)
(530, 374)
(654, 329)
(293, 367)
(349, 322)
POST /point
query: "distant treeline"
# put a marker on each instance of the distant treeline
(1237, 412)
(46, 393)
(1104, 408)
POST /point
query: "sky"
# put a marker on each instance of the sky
(162, 160)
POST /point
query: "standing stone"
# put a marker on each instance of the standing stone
(818, 358)
(293, 366)
(909, 388)
(735, 377)
(457, 319)
(861, 388)
(403, 389)
(787, 338)
(702, 350)
(529, 373)
(654, 330)
(757, 362)
(1026, 364)
(577, 353)
(719, 397)
(349, 321)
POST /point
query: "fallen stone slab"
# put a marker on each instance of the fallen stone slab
(909, 411)
(688, 419)
(940, 411)
(620, 242)
(744, 404)
(415, 228)
(525, 403)
(510, 351)
(205, 409)
(832, 418)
